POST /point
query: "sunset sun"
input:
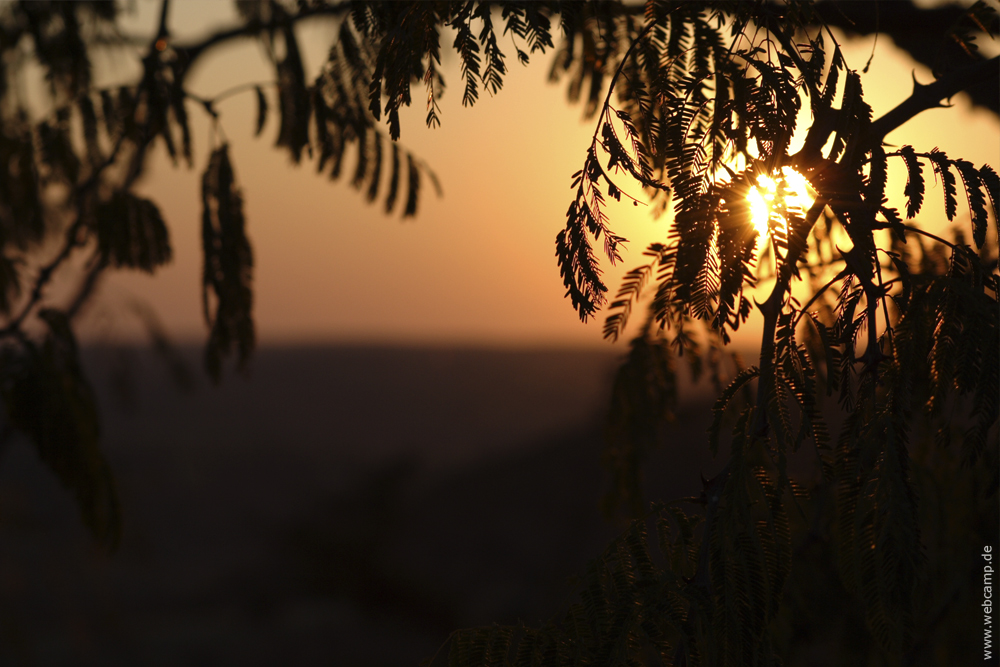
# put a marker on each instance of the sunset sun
(763, 198)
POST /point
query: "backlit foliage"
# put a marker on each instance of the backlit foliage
(700, 103)
(696, 105)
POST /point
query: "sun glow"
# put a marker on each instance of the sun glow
(764, 210)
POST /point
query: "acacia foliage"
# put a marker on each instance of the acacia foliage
(68, 168)
(701, 102)
(694, 101)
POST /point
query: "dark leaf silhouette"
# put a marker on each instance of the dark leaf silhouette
(696, 112)
(261, 110)
(228, 272)
(131, 233)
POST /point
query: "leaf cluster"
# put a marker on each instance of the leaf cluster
(695, 104)
(708, 96)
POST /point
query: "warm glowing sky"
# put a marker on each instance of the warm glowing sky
(476, 266)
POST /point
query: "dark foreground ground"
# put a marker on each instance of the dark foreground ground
(345, 506)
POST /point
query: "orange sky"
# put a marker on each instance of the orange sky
(476, 266)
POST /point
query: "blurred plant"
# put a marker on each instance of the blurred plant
(698, 105)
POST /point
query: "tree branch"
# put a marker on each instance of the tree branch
(917, 230)
(70, 242)
(930, 96)
(190, 53)
(920, 31)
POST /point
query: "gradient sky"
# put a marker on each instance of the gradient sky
(476, 266)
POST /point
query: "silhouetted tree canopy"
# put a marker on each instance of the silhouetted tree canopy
(698, 105)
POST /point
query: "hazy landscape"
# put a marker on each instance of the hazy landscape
(267, 179)
(342, 505)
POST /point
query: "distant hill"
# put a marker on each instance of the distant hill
(343, 505)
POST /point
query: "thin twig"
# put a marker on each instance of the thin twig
(614, 80)
(235, 90)
(818, 293)
(190, 53)
(69, 244)
(930, 236)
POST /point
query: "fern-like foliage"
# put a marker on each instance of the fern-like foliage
(644, 396)
(131, 233)
(689, 601)
(48, 397)
(707, 102)
(71, 170)
(696, 105)
(228, 270)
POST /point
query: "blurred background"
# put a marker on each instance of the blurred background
(416, 446)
